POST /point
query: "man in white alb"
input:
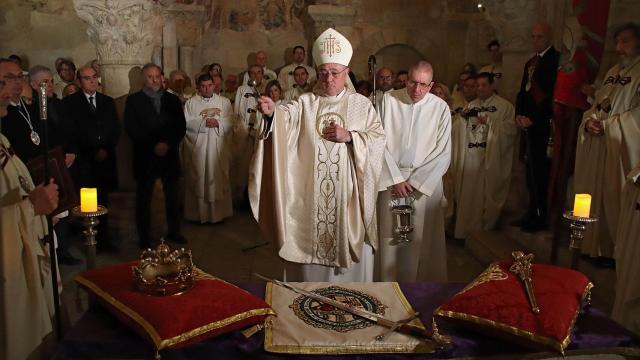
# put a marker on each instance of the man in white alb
(418, 130)
(285, 76)
(268, 74)
(495, 67)
(609, 142)
(301, 86)
(481, 164)
(206, 154)
(313, 182)
(384, 83)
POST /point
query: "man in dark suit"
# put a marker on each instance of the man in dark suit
(154, 120)
(97, 130)
(534, 108)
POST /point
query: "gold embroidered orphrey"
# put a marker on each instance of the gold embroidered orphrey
(325, 316)
(328, 174)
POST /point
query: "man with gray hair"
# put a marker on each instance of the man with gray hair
(418, 130)
(154, 120)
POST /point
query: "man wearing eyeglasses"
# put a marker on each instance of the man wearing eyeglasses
(25, 289)
(418, 151)
(98, 131)
(314, 175)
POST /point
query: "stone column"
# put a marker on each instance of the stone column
(186, 60)
(327, 14)
(169, 46)
(123, 33)
(512, 21)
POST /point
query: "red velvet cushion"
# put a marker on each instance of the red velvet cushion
(497, 300)
(212, 307)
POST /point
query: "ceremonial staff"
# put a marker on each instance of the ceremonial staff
(372, 74)
(52, 246)
(398, 326)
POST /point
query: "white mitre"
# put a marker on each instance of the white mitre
(332, 47)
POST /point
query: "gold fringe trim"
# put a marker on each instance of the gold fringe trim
(557, 345)
(151, 331)
(422, 347)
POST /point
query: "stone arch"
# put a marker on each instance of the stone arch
(381, 39)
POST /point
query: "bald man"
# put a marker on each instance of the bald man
(534, 109)
(384, 83)
(418, 129)
(261, 59)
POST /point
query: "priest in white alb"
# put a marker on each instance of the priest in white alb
(244, 130)
(609, 143)
(206, 153)
(26, 301)
(314, 176)
(286, 77)
(484, 147)
(626, 307)
(418, 130)
(301, 86)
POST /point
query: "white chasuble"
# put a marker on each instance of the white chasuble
(206, 155)
(307, 326)
(314, 197)
(482, 164)
(418, 151)
(626, 308)
(603, 162)
(26, 302)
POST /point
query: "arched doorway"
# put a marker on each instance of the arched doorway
(397, 57)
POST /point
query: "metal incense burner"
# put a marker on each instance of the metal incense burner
(402, 210)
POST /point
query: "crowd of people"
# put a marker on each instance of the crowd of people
(321, 157)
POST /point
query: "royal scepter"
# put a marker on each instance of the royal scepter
(372, 74)
(52, 246)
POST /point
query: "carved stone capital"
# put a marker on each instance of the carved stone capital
(326, 15)
(122, 31)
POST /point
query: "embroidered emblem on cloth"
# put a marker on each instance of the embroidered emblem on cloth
(319, 315)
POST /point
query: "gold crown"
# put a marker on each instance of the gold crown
(164, 272)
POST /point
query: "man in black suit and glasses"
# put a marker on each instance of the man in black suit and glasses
(533, 115)
(154, 120)
(97, 132)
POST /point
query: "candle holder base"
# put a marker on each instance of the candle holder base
(577, 228)
(90, 221)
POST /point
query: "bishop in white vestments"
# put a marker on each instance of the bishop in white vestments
(609, 143)
(206, 153)
(313, 182)
(418, 130)
(484, 147)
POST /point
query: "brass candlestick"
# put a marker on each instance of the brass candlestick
(90, 220)
(578, 227)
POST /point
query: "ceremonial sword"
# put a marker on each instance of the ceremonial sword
(399, 326)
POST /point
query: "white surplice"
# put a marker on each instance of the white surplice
(286, 78)
(626, 308)
(603, 162)
(315, 199)
(206, 154)
(418, 151)
(26, 301)
(482, 164)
